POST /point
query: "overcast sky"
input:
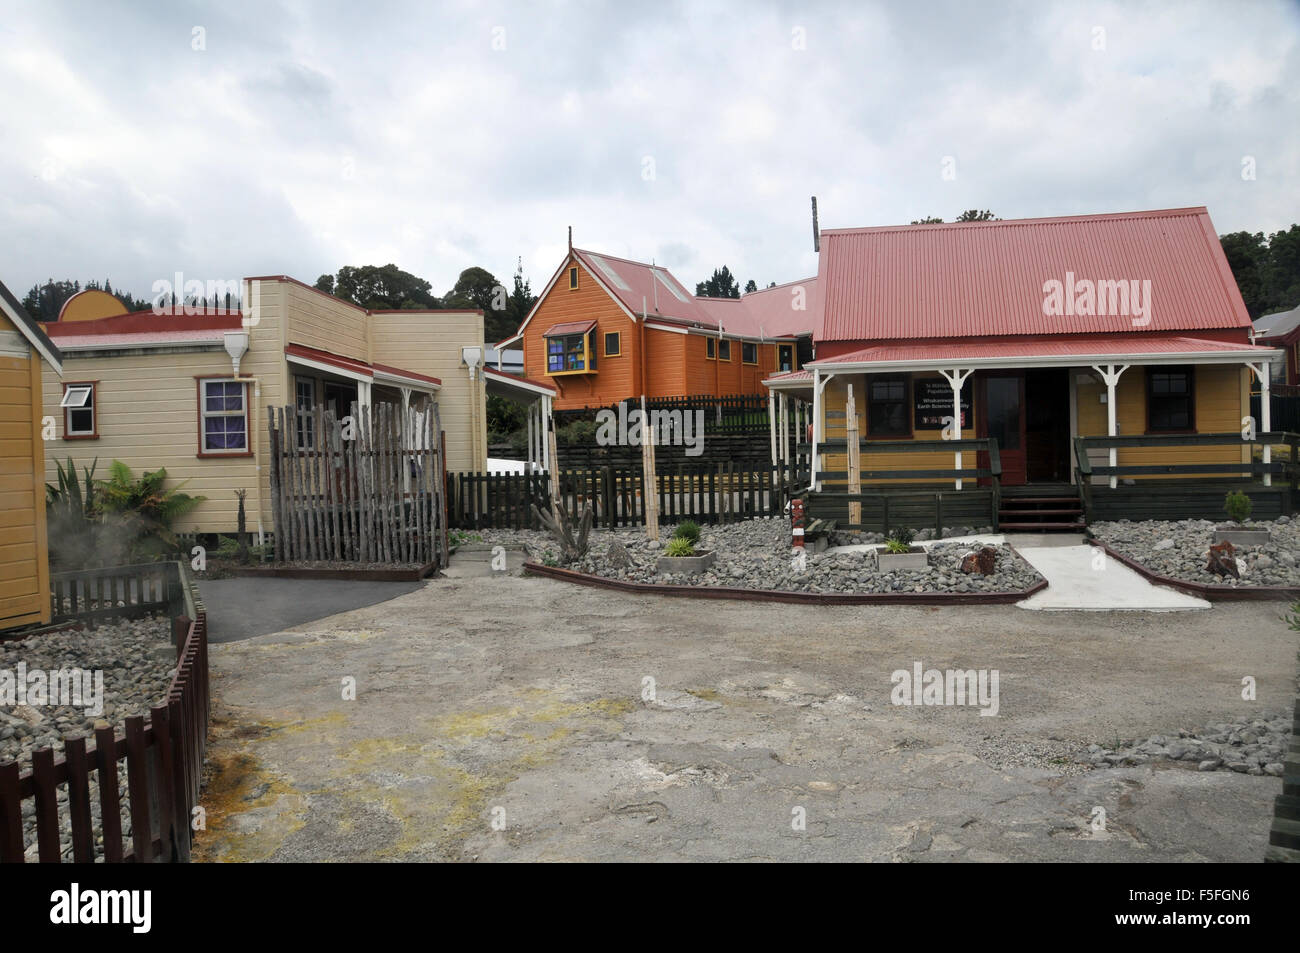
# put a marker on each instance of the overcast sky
(232, 139)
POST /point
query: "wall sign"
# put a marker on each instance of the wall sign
(932, 401)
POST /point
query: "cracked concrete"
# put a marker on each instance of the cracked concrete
(506, 718)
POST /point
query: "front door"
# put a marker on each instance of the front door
(1002, 396)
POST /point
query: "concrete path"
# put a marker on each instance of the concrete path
(241, 608)
(1084, 578)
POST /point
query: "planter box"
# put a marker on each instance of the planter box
(697, 563)
(915, 558)
(1242, 536)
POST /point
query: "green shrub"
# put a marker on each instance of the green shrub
(679, 546)
(1238, 506)
(688, 530)
(897, 546)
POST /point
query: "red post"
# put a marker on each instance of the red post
(796, 522)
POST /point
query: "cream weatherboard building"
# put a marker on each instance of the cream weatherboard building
(190, 392)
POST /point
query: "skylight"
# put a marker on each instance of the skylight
(663, 280)
(610, 273)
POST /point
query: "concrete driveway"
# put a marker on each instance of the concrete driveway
(511, 719)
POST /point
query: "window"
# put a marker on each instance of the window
(305, 400)
(724, 350)
(568, 354)
(785, 357)
(80, 420)
(887, 407)
(710, 348)
(748, 352)
(1169, 399)
(612, 344)
(573, 278)
(223, 417)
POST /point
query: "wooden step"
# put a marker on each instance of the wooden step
(1022, 500)
(1005, 527)
(1076, 511)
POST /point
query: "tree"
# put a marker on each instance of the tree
(750, 285)
(1267, 270)
(970, 215)
(380, 288)
(928, 220)
(722, 284)
(519, 303)
(44, 302)
(478, 288)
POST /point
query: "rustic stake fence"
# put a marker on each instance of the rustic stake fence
(164, 768)
(367, 488)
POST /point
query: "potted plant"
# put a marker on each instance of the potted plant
(899, 553)
(680, 554)
(1240, 532)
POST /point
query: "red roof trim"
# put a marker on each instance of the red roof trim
(326, 357)
(398, 372)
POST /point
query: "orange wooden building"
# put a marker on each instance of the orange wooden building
(606, 329)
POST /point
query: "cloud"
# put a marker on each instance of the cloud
(308, 136)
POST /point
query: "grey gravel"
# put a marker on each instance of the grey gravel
(138, 662)
(756, 554)
(1180, 549)
(1255, 745)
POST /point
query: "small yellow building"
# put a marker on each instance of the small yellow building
(24, 555)
(191, 392)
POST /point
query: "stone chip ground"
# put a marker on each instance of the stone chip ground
(509, 718)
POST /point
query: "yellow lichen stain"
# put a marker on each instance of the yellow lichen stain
(232, 781)
(708, 694)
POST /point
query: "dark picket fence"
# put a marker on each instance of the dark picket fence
(730, 414)
(714, 493)
(1285, 410)
(163, 755)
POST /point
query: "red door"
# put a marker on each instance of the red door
(1002, 402)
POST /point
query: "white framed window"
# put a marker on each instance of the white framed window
(304, 390)
(79, 415)
(223, 416)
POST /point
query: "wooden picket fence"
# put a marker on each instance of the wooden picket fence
(368, 488)
(164, 767)
(719, 493)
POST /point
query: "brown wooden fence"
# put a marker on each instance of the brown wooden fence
(367, 488)
(163, 762)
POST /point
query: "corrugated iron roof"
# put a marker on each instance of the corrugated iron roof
(1081, 347)
(641, 286)
(87, 342)
(1278, 325)
(976, 279)
(569, 327)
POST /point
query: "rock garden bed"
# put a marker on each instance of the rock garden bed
(756, 555)
(138, 661)
(1180, 550)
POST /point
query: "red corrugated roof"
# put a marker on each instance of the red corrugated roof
(569, 327)
(987, 278)
(1080, 347)
(148, 322)
(502, 375)
(355, 365)
(635, 284)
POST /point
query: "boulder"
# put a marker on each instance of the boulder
(982, 561)
(1223, 561)
(618, 556)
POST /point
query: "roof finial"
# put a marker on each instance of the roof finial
(817, 234)
(570, 238)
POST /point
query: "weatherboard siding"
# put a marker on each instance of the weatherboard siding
(24, 559)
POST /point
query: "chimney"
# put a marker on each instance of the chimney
(817, 234)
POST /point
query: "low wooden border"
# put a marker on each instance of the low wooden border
(775, 595)
(341, 575)
(1204, 590)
